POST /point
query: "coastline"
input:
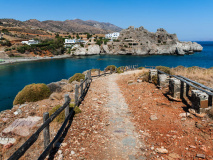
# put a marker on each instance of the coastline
(29, 59)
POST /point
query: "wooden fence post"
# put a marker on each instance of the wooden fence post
(115, 70)
(67, 109)
(76, 94)
(46, 131)
(82, 87)
(88, 78)
(110, 70)
(123, 69)
(99, 73)
(85, 80)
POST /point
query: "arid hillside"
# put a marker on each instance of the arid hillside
(72, 26)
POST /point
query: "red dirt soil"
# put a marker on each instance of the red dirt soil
(179, 137)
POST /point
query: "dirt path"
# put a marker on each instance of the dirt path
(124, 142)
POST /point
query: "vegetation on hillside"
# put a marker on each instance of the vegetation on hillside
(55, 46)
(61, 117)
(32, 93)
(76, 77)
(110, 66)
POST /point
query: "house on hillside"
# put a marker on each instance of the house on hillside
(30, 42)
(111, 36)
(69, 42)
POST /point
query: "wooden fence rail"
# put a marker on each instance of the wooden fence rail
(47, 120)
(80, 92)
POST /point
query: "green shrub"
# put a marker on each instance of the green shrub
(94, 70)
(32, 93)
(61, 117)
(108, 68)
(120, 69)
(140, 68)
(77, 77)
(164, 69)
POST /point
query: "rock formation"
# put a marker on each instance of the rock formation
(139, 41)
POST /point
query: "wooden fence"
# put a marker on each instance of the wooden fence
(80, 93)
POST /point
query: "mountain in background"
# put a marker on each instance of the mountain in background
(76, 25)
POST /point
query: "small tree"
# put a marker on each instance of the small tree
(77, 36)
(57, 35)
(89, 36)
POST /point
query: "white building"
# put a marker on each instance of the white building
(114, 35)
(70, 41)
(30, 42)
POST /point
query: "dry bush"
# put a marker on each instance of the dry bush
(61, 117)
(111, 66)
(210, 113)
(32, 93)
(201, 75)
(77, 77)
(164, 69)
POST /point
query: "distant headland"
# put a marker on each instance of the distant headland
(139, 41)
(36, 39)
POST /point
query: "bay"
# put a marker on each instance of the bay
(14, 77)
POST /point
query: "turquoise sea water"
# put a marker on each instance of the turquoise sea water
(14, 77)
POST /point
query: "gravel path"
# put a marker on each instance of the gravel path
(124, 142)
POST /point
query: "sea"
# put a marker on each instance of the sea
(13, 77)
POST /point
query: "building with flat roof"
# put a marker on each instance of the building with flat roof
(30, 42)
(114, 35)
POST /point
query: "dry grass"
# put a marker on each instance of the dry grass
(201, 75)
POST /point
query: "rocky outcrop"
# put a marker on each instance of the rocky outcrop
(139, 41)
(93, 49)
(3, 55)
(80, 52)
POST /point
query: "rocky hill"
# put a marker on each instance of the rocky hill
(76, 25)
(139, 41)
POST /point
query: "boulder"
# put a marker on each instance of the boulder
(68, 88)
(105, 48)
(94, 49)
(54, 87)
(161, 150)
(21, 126)
(80, 51)
(153, 117)
(7, 140)
(179, 51)
(56, 96)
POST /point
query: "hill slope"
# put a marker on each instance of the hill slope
(76, 25)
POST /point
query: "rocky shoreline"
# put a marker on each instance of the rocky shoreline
(28, 59)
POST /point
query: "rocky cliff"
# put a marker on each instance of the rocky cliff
(139, 41)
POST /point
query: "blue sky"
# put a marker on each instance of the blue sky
(189, 19)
